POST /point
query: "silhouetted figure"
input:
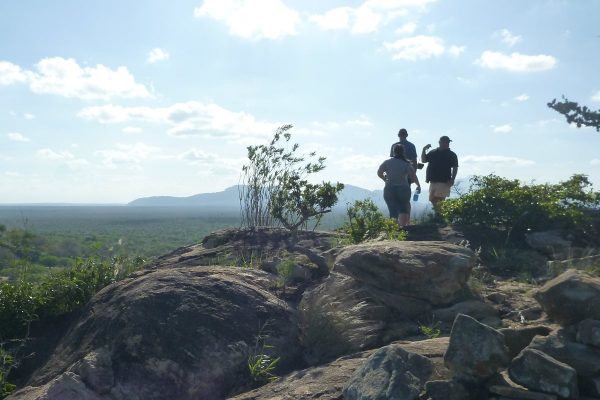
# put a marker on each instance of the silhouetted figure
(396, 193)
(410, 152)
(442, 166)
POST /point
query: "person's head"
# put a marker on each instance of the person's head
(399, 151)
(444, 142)
(402, 134)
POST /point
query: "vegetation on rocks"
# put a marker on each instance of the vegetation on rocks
(366, 221)
(275, 185)
(513, 208)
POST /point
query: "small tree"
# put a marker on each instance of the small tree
(275, 188)
(576, 114)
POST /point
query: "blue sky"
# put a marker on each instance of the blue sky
(107, 101)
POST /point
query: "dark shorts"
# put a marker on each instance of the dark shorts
(397, 198)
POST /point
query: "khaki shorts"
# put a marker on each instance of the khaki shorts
(439, 189)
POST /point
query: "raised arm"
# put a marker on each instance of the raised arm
(424, 153)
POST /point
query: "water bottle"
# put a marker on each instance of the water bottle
(416, 195)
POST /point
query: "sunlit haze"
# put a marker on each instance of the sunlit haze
(108, 101)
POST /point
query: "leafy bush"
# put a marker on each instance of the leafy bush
(6, 364)
(365, 222)
(275, 186)
(58, 292)
(514, 208)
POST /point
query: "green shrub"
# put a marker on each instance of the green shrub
(6, 364)
(58, 292)
(366, 221)
(514, 208)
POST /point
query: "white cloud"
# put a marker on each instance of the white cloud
(496, 160)
(17, 137)
(416, 48)
(29, 116)
(456, 51)
(407, 29)
(186, 119)
(210, 161)
(63, 156)
(357, 162)
(595, 161)
(156, 55)
(252, 19)
(596, 96)
(506, 128)
(362, 121)
(369, 15)
(334, 19)
(522, 97)
(64, 77)
(516, 62)
(126, 154)
(11, 73)
(132, 129)
(508, 38)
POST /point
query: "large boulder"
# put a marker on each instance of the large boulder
(538, 371)
(588, 332)
(434, 272)
(183, 333)
(516, 339)
(390, 373)
(561, 345)
(570, 297)
(326, 382)
(476, 351)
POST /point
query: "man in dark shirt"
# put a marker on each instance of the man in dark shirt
(442, 166)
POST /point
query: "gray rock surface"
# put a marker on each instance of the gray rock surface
(540, 372)
(390, 373)
(446, 390)
(521, 394)
(588, 332)
(435, 272)
(182, 333)
(481, 311)
(571, 297)
(517, 339)
(325, 382)
(475, 351)
(550, 243)
(561, 345)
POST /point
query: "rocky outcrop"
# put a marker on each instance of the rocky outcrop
(585, 360)
(382, 291)
(538, 371)
(476, 351)
(516, 339)
(434, 272)
(571, 297)
(326, 382)
(588, 332)
(184, 333)
(390, 373)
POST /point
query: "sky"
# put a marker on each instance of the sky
(108, 101)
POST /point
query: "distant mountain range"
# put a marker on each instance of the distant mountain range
(229, 199)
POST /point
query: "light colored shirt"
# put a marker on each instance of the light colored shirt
(396, 171)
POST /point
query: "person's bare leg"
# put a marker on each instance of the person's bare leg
(403, 220)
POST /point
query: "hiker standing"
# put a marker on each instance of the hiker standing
(395, 172)
(442, 166)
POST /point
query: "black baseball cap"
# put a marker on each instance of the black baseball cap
(402, 132)
(445, 139)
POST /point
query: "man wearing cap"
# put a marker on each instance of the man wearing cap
(410, 152)
(442, 166)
